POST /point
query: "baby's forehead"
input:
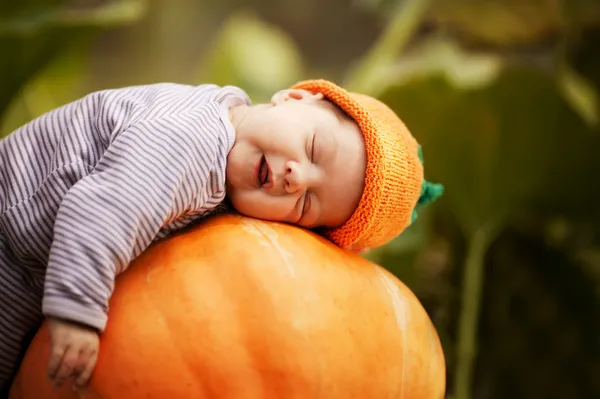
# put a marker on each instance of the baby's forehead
(330, 106)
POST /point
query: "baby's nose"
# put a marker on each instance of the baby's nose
(294, 177)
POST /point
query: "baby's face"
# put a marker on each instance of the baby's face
(298, 160)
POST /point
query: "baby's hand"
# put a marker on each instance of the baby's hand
(74, 351)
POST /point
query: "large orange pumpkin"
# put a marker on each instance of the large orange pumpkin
(237, 308)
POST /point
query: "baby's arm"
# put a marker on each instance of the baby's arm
(153, 173)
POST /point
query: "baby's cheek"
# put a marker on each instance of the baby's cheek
(258, 204)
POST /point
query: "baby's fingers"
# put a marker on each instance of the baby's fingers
(83, 377)
(54, 364)
(69, 363)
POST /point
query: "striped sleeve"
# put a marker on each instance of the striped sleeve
(152, 174)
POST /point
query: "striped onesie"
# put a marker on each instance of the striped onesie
(85, 188)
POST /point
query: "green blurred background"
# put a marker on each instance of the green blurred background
(502, 94)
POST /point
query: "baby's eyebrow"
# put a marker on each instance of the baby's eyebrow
(339, 113)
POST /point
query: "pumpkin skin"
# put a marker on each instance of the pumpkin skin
(238, 308)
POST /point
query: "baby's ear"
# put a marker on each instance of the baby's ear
(294, 94)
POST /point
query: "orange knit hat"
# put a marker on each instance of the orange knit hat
(394, 182)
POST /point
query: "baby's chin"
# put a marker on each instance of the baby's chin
(232, 174)
(228, 174)
(235, 201)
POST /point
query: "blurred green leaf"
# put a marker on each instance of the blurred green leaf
(33, 32)
(62, 81)
(439, 56)
(504, 140)
(580, 93)
(368, 76)
(510, 145)
(512, 22)
(48, 18)
(252, 54)
(502, 23)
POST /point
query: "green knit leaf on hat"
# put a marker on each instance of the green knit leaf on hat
(430, 192)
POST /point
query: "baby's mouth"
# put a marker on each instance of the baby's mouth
(263, 172)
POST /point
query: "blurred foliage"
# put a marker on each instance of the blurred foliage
(542, 308)
(495, 134)
(252, 54)
(502, 94)
(61, 81)
(33, 32)
(502, 23)
(504, 138)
